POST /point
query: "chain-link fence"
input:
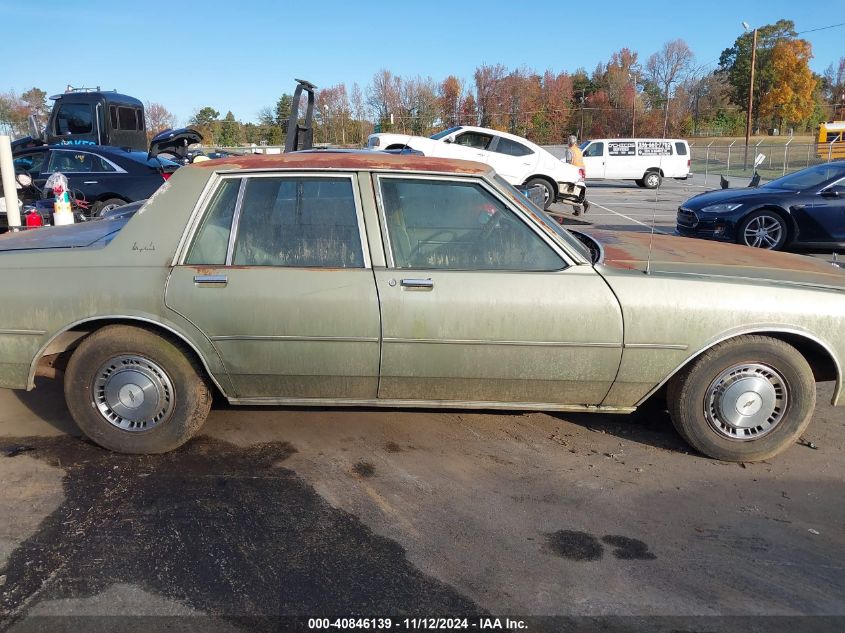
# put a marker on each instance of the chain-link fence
(711, 159)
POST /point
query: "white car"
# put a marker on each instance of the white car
(516, 159)
(646, 161)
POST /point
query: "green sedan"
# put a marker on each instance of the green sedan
(367, 279)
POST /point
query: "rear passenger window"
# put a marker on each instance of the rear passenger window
(299, 222)
(511, 148)
(681, 149)
(127, 118)
(212, 239)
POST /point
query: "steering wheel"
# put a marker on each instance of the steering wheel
(416, 250)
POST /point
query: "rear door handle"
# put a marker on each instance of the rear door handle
(90, 182)
(211, 281)
(417, 283)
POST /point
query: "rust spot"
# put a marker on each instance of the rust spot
(344, 160)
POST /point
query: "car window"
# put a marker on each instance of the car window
(212, 239)
(475, 140)
(30, 163)
(77, 162)
(681, 149)
(595, 149)
(808, 178)
(74, 118)
(299, 222)
(457, 225)
(127, 118)
(511, 148)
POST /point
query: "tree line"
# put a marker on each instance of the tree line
(667, 94)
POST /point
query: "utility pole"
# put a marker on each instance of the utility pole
(750, 98)
(581, 129)
(634, 109)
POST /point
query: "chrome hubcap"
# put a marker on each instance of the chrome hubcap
(763, 232)
(746, 401)
(651, 180)
(133, 393)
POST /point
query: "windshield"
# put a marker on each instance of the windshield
(440, 135)
(583, 145)
(544, 219)
(808, 178)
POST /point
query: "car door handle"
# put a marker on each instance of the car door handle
(417, 283)
(211, 281)
(90, 182)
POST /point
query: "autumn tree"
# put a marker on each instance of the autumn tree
(158, 119)
(35, 102)
(230, 131)
(790, 98)
(666, 68)
(488, 100)
(450, 93)
(834, 87)
(383, 96)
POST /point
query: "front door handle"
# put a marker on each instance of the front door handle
(211, 281)
(417, 283)
(90, 182)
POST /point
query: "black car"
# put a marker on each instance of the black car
(805, 208)
(104, 177)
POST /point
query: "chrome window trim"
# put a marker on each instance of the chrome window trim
(520, 214)
(117, 168)
(194, 219)
(339, 174)
(236, 222)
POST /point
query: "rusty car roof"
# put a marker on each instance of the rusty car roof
(364, 160)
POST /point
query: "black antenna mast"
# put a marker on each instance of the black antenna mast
(301, 136)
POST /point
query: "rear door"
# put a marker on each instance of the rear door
(89, 175)
(594, 160)
(827, 215)
(515, 161)
(278, 277)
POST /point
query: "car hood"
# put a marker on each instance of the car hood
(673, 254)
(84, 234)
(730, 195)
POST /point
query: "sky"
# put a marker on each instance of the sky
(241, 56)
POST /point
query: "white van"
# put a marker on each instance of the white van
(646, 161)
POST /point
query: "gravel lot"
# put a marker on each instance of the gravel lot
(379, 513)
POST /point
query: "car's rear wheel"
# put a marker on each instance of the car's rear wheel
(132, 391)
(98, 208)
(744, 400)
(548, 190)
(763, 229)
(652, 180)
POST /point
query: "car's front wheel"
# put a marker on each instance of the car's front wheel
(763, 229)
(744, 400)
(548, 190)
(132, 391)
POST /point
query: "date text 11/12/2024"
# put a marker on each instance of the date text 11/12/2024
(411, 624)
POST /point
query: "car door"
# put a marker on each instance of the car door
(594, 160)
(478, 305)
(88, 174)
(828, 215)
(515, 161)
(469, 145)
(278, 277)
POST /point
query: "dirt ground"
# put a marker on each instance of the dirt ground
(374, 513)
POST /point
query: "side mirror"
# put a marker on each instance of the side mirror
(24, 180)
(448, 139)
(35, 130)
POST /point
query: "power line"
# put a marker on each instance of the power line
(821, 28)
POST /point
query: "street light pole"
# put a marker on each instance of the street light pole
(634, 109)
(750, 95)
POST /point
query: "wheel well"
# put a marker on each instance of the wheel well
(651, 169)
(791, 226)
(56, 355)
(551, 182)
(820, 359)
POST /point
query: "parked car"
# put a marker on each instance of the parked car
(104, 177)
(805, 208)
(646, 161)
(368, 279)
(516, 159)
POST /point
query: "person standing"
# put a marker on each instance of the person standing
(575, 158)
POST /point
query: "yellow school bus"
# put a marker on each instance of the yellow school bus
(831, 133)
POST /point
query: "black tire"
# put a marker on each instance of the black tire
(763, 229)
(741, 373)
(104, 205)
(639, 182)
(130, 363)
(548, 195)
(652, 179)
